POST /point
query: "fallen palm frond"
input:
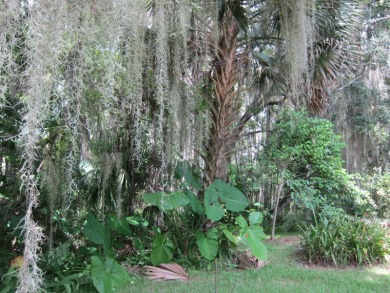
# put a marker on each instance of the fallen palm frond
(165, 272)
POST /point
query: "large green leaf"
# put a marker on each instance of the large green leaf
(241, 222)
(234, 199)
(184, 170)
(195, 203)
(153, 198)
(229, 235)
(108, 276)
(94, 230)
(99, 279)
(211, 195)
(253, 236)
(214, 210)
(255, 218)
(178, 200)
(167, 202)
(162, 250)
(119, 276)
(208, 246)
(119, 225)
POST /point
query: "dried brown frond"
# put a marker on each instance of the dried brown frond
(166, 272)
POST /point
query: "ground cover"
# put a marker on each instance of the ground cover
(286, 272)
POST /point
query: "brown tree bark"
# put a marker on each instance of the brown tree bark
(224, 102)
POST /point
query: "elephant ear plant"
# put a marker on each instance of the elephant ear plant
(219, 198)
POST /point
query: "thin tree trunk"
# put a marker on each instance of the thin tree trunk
(279, 190)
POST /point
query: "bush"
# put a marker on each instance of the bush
(381, 195)
(342, 239)
(306, 154)
(292, 221)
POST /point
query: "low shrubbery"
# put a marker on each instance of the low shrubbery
(341, 239)
(292, 221)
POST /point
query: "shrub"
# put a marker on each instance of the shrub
(344, 239)
(381, 195)
(306, 154)
(292, 221)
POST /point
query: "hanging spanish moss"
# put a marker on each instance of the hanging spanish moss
(86, 92)
(298, 25)
(44, 47)
(8, 21)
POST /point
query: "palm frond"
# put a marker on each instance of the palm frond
(165, 272)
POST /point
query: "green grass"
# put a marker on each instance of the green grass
(284, 273)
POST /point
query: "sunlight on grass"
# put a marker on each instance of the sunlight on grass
(285, 273)
(380, 271)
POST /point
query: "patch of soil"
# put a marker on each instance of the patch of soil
(286, 240)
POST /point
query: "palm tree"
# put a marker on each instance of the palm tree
(251, 32)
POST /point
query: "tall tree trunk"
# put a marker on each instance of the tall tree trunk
(224, 103)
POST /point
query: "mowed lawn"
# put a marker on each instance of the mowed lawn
(286, 272)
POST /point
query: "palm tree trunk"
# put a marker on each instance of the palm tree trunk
(223, 102)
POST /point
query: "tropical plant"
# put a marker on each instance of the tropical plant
(79, 262)
(341, 239)
(219, 197)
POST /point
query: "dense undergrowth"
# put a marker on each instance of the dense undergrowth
(200, 226)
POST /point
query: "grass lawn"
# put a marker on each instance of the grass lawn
(285, 273)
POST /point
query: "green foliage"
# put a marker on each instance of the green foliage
(214, 210)
(250, 236)
(94, 230)
(373, 198)
(121, 225)
(184, 171)
(233, 198)
(292, 221)
(77, 264)
(341, 239)
(162, 250)
(363, 116)
(306, 154)
(108, 275)
(195, 203)
(218, 192)
(167, 202)
(381, 195)
(208, 244)
(219, 198)
(10, 120)
(255, 218)
(9, 281)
